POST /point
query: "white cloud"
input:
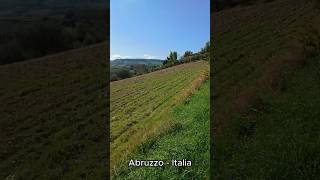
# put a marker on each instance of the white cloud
(118, 56)
(147, 56)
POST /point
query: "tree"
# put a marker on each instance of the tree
(187, 53)
(173, 56)
(172, 59)
(206, 48)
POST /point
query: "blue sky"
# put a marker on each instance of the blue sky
(151, 28)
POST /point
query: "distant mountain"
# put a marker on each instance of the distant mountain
(128, 62)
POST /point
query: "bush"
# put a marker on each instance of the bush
(117, 73)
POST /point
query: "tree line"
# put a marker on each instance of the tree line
(47, 35)
(118, 73)
(188, 56)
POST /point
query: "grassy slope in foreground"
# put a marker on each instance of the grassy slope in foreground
(52, 116)
(282, 139)
(140, 105)
(189, 139)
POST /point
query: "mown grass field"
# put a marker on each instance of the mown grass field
(263, 129)
(281, 140)
(140, 106)
(188, 139)
(53, 114)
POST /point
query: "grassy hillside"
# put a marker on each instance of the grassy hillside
(140, 106)
(281, 139)
(263, 128)
(189, 139)
(53, 113)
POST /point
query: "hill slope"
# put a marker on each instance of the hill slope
(259, 52)
(189, 139)
(140, 106)
(53, 112)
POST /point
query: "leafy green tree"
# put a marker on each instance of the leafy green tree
(173, 56)
(187, 54)
(171, 60)
(206, 48)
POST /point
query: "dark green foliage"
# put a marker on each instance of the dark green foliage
(188, 56)
(117, 73)
(54, 30)
(195, 57)
(172, 59)
(139, 69)
(187, 53)
(34, 41)
(123, 72)
(206, 48)
(173, 56)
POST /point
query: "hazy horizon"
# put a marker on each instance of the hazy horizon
(137, 58)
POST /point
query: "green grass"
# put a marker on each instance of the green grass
(265, 129)
(188, 139)
(282, 139)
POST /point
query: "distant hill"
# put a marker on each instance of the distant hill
(128, 62)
